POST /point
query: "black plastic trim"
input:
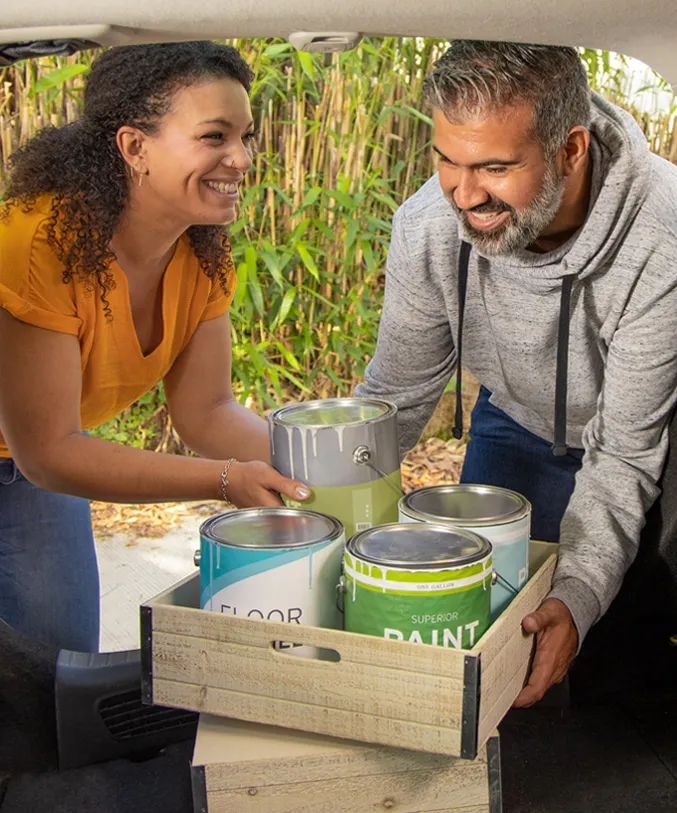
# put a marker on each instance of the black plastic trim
(12, 52)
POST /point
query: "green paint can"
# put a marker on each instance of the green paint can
(426, 584)
(346, 450)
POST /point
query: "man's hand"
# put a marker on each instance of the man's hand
(556, 644)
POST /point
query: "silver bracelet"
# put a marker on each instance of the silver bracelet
(224, 477)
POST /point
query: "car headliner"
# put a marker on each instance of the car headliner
(647, 31)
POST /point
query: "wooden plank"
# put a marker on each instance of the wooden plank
(236, 754)
(513, 660)
(503, 704)
(509, 623)
(505, 657)
(368, 761)
(351, 647)
(358, 687)
(297, 714)
(409, 792)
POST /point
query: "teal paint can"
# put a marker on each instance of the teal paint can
(274, 564)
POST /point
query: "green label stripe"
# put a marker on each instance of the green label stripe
(414, 574)
(447, 581)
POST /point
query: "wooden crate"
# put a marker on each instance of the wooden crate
(395, 693)
(243, 767)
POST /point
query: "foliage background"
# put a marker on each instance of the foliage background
(342, 144)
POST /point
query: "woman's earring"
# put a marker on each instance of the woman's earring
(140, 178)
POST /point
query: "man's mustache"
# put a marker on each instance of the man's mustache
(489, 207)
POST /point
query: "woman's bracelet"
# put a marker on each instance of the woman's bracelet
(224, 477)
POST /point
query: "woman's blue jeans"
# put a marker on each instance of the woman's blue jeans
(503, 453)
(49, 579)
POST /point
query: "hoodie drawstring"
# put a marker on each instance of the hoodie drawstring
(559, 446)
(463, 262)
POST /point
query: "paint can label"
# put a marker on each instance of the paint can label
(360, 506)
(447, 608)
(292, 585)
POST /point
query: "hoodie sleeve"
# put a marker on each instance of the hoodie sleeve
(625, 449)
(415, 356)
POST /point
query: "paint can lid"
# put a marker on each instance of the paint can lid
(271, 528)
(470, 505)
(333, 412)
(413, 545)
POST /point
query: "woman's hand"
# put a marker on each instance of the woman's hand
(256, 484)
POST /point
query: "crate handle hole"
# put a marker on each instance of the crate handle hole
(317, 653)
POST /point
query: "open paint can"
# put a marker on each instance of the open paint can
(276, 564)
(426, 584)
(346, 450)
(498, 514)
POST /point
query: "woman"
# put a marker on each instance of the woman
(116, 273)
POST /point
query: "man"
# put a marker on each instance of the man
(544, 253)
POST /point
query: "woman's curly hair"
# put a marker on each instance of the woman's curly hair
(81, 167)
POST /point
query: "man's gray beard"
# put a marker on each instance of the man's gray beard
(522, 228)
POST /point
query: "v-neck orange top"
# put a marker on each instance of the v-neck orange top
(115, 373)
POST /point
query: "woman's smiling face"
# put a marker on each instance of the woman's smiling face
(194, 161)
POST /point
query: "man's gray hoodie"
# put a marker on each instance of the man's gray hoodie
(622, 353)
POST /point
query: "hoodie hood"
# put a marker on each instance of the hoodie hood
(620, 160)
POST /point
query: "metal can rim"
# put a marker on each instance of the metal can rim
(451, 564)
(500, 519)
(277, 416)
(336, 529)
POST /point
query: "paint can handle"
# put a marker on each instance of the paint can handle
(196, 558)
(362, 457)
(504, 582)
(340, 590)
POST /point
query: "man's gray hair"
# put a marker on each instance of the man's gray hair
(477, 78)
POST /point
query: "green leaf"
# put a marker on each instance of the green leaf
(340, 385)
(254, 286)
(270, 260)
(277, 49)
(405, 108)
(241, 289)
(289, 357)
(307, 260)
(367, 252)
(59, 77)
(387, 199)
(285, 307)
(301, 229)
(342, 198)
(351, 232)
(311, 196)
(307, 64)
